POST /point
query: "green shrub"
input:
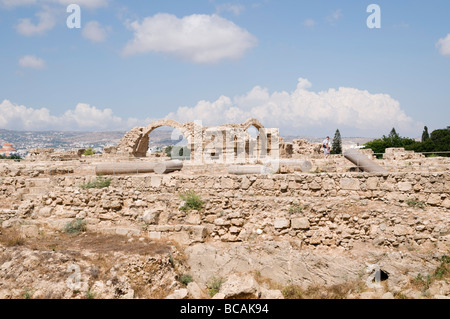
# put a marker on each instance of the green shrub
(416, 203)
(89, 152)
(185, 279)
(28, 294)
(423, 282)
(90, 294)
(75, 227)
(192, 201)
(296, 209)
(443, 269)
(100, 182)
(214, 285)
(15, 157)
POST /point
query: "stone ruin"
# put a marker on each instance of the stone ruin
(300, 148)
(300, 228)
(49, 154)
(216, 141)
(400, 154)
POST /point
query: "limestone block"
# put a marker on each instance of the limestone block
(328, 184)
(155, 181)
(267, 184)
(227, 183)
(178, 294)
(218, 295)
(316, 238)
(404, 186)
(281, 223)
(434, 199)
(237, 287)
(194, 291)
(245, 183)
(155, 235)
(300, 223)
(315, 186)
(350, 184)
(372, 183)
(193, 218)
(271, 294)
(221, 222)
(400, 230)
(446, 203)
(388, 295)
(151, 217)
(234, 230)
(45, 212)
(125, 231)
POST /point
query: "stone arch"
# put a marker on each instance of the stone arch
(248, 147)
(142, 145)
(252, 122)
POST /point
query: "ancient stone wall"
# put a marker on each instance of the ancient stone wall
(334, 164)
(328, 209)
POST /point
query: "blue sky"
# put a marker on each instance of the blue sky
(307, 67)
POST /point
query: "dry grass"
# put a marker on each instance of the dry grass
(316, 291)
(102, 258)
(93, 242)
(338, 291)
(11, 238)
(442, 272)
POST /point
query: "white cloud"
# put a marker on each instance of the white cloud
(199, 38)
(32, 62)
(300, 112)
(95, 32)
(444, 45)
(83, 117)
(236, 9)
(309, 23)
(46, 22)
(334, 17)
(19, 117)
(303, 111)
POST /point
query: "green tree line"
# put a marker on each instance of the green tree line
(431, 144)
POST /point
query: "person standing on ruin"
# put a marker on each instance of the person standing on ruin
(326, 144)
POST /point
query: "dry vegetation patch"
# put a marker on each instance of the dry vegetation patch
(149, 266)
(92, 242)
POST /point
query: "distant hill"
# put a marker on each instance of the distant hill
(26, 140)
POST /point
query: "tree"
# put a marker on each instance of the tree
(168, 151)
(425, 134)
(438, 141)
(441, 140)
(337, 143)
(392, 140)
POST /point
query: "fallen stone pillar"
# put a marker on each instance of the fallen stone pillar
(248, 169)
(168, 167)
(363, 162)
(124, 168)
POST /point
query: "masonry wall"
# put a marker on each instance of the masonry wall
(336, 210)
